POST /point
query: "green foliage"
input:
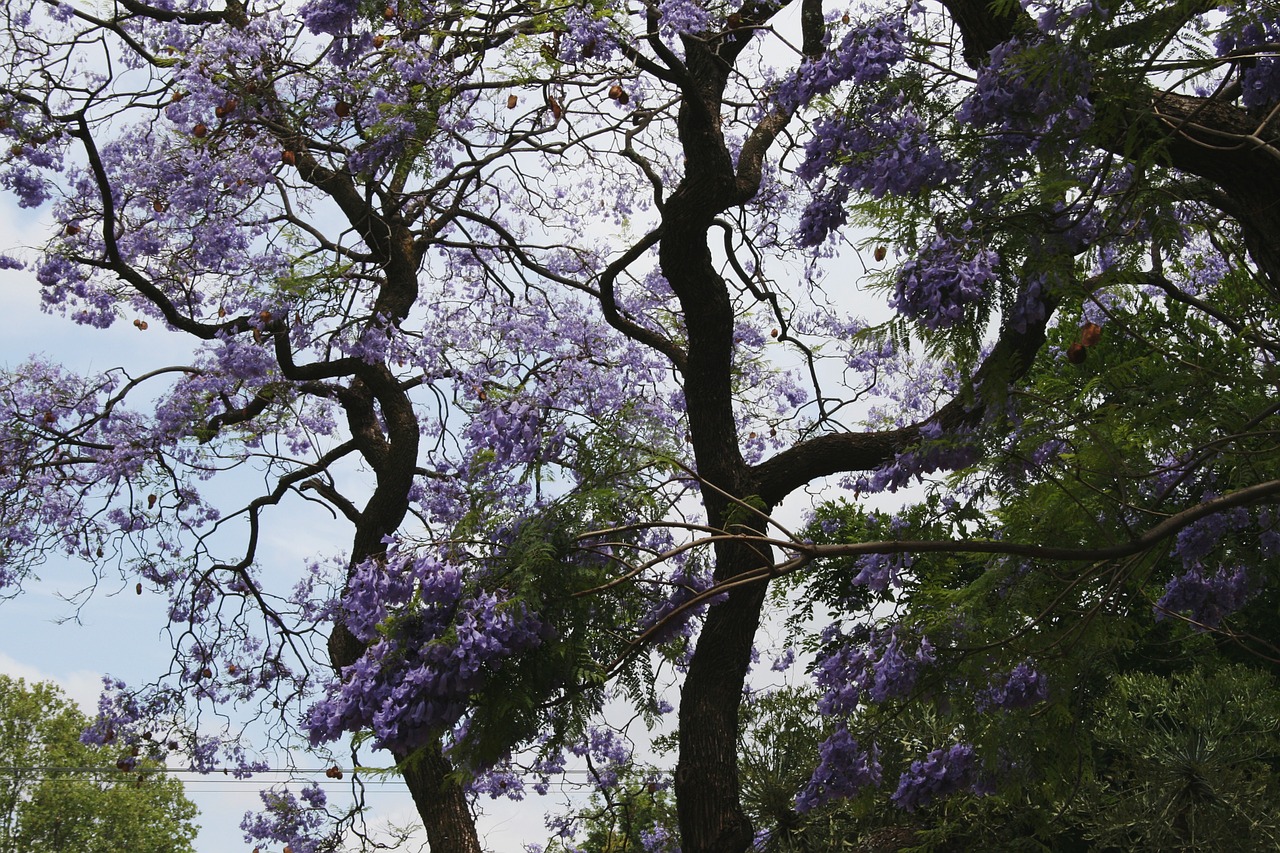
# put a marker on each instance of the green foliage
(1187, 762)
(59, 795)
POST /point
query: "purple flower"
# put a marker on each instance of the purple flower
(1022, 688)
(940, 774)
(1205, 600)
(844, 770)
(1246, 36)
(945, 278)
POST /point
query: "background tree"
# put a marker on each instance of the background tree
(550, 273)
(59, 794)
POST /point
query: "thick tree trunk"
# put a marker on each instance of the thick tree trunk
(441, 801)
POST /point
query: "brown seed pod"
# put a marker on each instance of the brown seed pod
(72, 229)
(1076, 353)
(389, 13)
(379, 41)
(151, 501)
(265, 316)
(1090, 334)
(200, 131)
(880, 253)
(619, 94)
(138, 587)
(512, 100)
(342, 109)
(288, 158)
(773, 333)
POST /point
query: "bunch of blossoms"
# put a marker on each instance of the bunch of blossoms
(587, 36)
(432, 646)
(33, 152)
(877, 663)
(935, 453)
(866, 54)
(946, 277)
(1206, 599)
(844, 770)
(286, 820)
(1027, 96)
(1023, 687)
(1253, 36)
(941, 773)
(672, 616)
(885, 149)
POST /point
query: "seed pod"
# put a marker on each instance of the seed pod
(512, 100)
(379, 41)
(151, 501)
(200, 131)
(880, 252)
(138, 587)
(1090, 334)
(773, 333)
(288, 158)
(1076, 353)
(342, 109)
(619, 94)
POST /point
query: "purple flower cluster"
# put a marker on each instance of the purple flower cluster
(866, 54)
(844, 770)
(942, 773)
(1206, 599)
(432, 648)
(946, 277)
(283, 818)
(878, 571)
(873, 663)
(329, 17)
(685, 584)
(1030, 93)
(659, 839)
(1260, 74)
(606, 754)
(950, 454)
(1023, 688)
(886, 150)
(586, 37)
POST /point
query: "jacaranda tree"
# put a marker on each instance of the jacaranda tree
(552, 305)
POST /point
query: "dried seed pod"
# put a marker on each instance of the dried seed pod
(1090, 334)
(1076, 353)
(880, 253)
(512, 100)
(200, 131)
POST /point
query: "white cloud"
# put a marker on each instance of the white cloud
(82, 686)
